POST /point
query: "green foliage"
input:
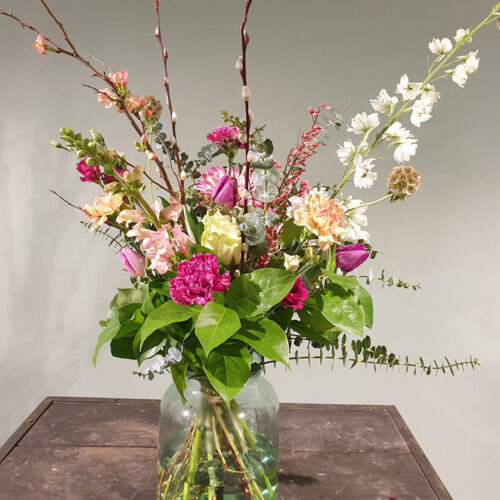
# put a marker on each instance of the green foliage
(266, 337)
(215, 325)
(289, 232)
(228, 368)
(255, 293)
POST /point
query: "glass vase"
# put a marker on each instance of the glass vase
(210, 451)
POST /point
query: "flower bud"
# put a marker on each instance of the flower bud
(165, 53)
(224, 192)
(245, 93)
(132, 262)
(157, 32)
(244, 195)
(250, 157)
(151, 156)
(239, 64)
(236, 273)
(244, 247)
(247, 38)
(144, 139)
(183, 175)
(251, 118)
(349, 257)
(172, 140)
(174, 117)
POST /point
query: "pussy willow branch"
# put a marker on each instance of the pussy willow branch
(243, 72)
(164, 55)
(95, 73)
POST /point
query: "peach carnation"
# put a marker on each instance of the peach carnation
(318, 213)
(102, 207)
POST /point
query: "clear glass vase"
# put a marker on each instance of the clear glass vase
(209, 451)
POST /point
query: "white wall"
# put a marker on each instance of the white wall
(57, 279)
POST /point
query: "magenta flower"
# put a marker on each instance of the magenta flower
(197, 279)
(225, 136)
(297, 296)
(224, 192)
(89, 173)
(349, 257)
(108, 178)
(133, 262)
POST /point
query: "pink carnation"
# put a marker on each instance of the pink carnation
(90, 173)
(297, 296)
(197, 279)
(225, 136)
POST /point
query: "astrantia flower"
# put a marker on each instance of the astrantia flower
(347, 152)
(462, 35)
(318, 213)
(384, 103)
(407, 89)
(363, 175)
(363, 123)
(40, 44)
(221, 234)
(90, 173)
(208, 181)
(440, 47)
(354, 220)
(297, 295)
(225, 136)
(197, 279)
(102, 207)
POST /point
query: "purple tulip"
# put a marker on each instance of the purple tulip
(349, 257)
(132, 262)
(224, 192)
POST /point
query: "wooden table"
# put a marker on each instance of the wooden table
(80, 448)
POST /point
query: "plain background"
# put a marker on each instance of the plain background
(57, 279)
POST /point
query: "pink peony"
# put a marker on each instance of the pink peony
(197, 279)
(133, 262)
(90, 173)
(225, 136)
(298, 294)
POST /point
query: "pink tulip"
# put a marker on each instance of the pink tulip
(224, 192)
(349, 257)
(132, 262)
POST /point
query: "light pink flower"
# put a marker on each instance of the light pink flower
(130, 216)
(40, 44)
(172, 212)
(181, 240)
(159, 249)
(133, 262)
(197, 279)
(225, 136)
(134, 102)
(106, 97)
(119, 78)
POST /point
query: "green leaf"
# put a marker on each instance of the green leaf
(312, 317)
(179, 377)
(126, 296)
(165, 315)
(194, 227)
(147, 305)
(343, 310)
(288, 233)
(266, 337)
(324, 338)
(366, 302)
(346, 282)
(109, 332)
(215, 325)
(257, 292)
(283, 316)
(123, 348)
(228, 368)
(153, 345)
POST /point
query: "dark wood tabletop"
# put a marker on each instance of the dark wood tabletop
(81, 448)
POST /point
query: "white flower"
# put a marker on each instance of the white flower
(363, 123)
(420, 113)
(397, 132)
(405, 150)
(408, 90)
(354, 221)
(363, 175)
(471, 62)
(462, 34)
(459, 75)
(384, 103)
(347, 152)
(440, 47)
(430, 95)
(292, 262)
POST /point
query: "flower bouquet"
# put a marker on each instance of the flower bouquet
(235, 260)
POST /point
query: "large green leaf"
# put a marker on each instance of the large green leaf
(123, 348)
(289, 232)
(109, 332)
(255, 293)
(215, 325)
(165, 315)
(126, 296)
(228, 368)
(266, 337)
(366, 302)
(323, 338)
(346, 282)
(342, 309)
(312, 317)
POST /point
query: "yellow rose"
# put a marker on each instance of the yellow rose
(222, 236)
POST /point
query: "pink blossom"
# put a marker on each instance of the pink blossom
(40, 44)
(159, 249)
(133, 262)
(208, 181)
(197, 279)
(90, 173)
(134, 102)
(172, 212)
(298, 294)
(119, 78)
(106, 97)
(225, 136)
(181, 240)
